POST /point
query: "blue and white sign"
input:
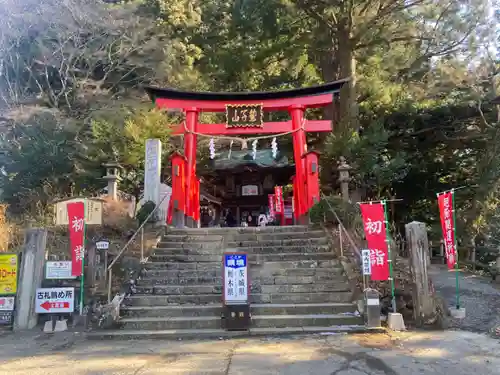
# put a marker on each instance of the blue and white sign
(367, 265)
(235, 278)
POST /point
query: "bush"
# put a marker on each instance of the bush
(144, 212)
(348, 213)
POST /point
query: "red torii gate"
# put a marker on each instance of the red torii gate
(244, 112)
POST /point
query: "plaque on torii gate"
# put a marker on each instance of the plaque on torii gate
(244, 116)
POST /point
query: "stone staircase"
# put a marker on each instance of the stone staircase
(297, 284)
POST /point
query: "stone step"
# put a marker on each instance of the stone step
(254, 288)
(249, 250)
(291, 241)
(258, 321)
(269, 264)
(219, 245)
(203, 299)
(261, 280)
(268, 272)
(322, 320)
(240, 230)
(178, 322)
(257, 236)
(257, 258)
(197, 334)
(256, 309)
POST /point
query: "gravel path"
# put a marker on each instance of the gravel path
(404, 353)
(478, 295)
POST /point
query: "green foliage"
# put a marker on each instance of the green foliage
(124, 140)
(348, 213)
(377, 164)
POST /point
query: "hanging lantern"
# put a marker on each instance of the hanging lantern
(274, 148)
(212, 148)
(254, 149)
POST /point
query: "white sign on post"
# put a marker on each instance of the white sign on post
(58, 270)
(235, 279)
(102, 245)
(55, 300)
(367, 264)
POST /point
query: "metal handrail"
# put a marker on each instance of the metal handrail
(343, 228)
(125, 247)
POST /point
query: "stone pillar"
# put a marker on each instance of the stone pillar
(30, 278)
(112, 176)
(152, 171)
(344, 178)
(418, 247)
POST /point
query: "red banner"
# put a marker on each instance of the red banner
(278, 199)
(376, 237)
(270, 198)
(76, 220)
(445, 203)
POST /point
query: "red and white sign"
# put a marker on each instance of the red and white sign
(375, 231)
(445, 203)
(278, 199)
(272, 212)
(76, 215)
(7, 303)
(55, 300)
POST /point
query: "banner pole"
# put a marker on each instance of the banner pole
(82, 278)
(456, 248)
(388, 240)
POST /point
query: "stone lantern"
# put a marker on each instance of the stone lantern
(344, 178)
(112, 176)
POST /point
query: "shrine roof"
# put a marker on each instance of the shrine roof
(169, 93)
(263, 159)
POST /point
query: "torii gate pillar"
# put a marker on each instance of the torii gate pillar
(191, 198)
(299, 148)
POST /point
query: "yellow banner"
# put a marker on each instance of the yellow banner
(8, 273)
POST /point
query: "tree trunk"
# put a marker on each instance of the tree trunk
(348, 95)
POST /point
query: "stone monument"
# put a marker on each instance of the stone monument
(152, 171)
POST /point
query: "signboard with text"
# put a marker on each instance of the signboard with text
(8, 273)
(58, 270)
(7, 310)
(244, 115)
(367, 264)
(55, 300)
(235, 278)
